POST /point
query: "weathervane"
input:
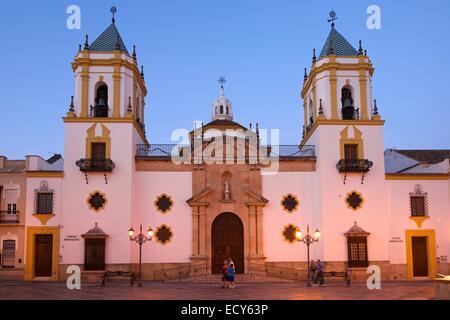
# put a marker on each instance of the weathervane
(113, 11)
(222, 80)
(333, 18)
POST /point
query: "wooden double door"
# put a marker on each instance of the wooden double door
(227, 234)
(43, 255)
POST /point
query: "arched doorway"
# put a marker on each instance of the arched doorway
(227, 236)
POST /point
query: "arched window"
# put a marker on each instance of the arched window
(101, 101)
(311, 112)
(348, 110)
(138, 109)
(221, 109)
(227, 110)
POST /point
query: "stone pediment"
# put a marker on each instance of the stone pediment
(255, 199)
(199, 198)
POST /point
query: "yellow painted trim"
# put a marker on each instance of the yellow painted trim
(116, 82)
(135, 106)
(328, 122)
(333, 94)
(87, 61)
(43, 218)
(411, 176)
(108, 120)
(104, 204)
(159, 197)
(431, 251)
(84, 90)
(314, 94)
(31, 246)
(284, 230)
(363, 91)
(45, 174)
(171, 234)
(360, 205)
(419, 220)
(357, 140)
(91, 138)
(296, 199)
(332, 66)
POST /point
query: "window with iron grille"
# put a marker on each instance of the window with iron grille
(357, 252)
(418, 202)
(44, 203)
(43, 199)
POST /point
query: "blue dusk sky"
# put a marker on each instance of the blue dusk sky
(261, 47)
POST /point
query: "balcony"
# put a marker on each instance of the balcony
(95, 165)
(354, 165)
(9, 217)
(173, 151)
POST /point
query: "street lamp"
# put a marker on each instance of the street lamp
(140, 238)
(308, 240)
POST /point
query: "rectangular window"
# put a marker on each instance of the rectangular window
(357, 252)
(418, 207)
(351, 151)
(44, 203)
(94, 255)
(12, 208)
(9, 254)
(98, 150)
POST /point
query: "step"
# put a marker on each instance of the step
(11, 274)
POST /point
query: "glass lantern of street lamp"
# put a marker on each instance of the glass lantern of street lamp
(298, 234)
(150, 232)
(317, 234)
(131, 232)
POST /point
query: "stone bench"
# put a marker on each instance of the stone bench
(335, 274)
(118, 274)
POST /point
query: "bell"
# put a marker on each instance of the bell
(347, 103)
(101, 109)
(101, 102)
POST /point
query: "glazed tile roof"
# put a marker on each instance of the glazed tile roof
(341, 47)
(107, 41)
(426, 156)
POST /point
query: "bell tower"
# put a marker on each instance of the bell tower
(345, 127)
(102, 129)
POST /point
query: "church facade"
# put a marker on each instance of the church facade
(223, 192)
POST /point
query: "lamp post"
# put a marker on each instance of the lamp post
(140, 238)
(308, 240)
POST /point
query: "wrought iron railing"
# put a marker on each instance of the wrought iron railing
(95, 165)
(174, 151)
(350, 114)
(9, 217)
(354, 165)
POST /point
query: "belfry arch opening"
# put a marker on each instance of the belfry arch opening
(349, 112)
(101, 107)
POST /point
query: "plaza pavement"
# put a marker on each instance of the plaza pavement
(19, 290)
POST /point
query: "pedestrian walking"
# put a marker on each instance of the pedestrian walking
(224, 273)
(230, 277)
